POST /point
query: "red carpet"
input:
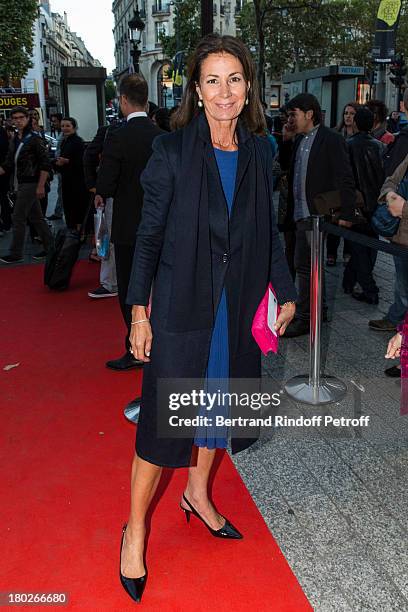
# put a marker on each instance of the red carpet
(66, 454)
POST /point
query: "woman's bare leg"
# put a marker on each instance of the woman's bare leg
(145, 478)
(197, 489)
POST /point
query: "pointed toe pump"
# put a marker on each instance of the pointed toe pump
(134, 587)
(227, 532)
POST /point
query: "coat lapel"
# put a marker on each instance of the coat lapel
(314, 151)
(214, 174)
(244, 155)
(242, 181)
(211, 163)
(217, 204)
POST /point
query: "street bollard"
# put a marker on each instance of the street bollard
(315, 388)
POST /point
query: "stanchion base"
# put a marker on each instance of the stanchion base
(331, 389)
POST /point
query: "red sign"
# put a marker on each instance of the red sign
(8, 101)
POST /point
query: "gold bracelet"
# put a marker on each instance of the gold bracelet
(140, 321)
(286, 303)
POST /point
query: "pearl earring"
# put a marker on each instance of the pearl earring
(246, 102)
(200, 103)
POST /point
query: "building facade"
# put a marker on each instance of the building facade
(158, 16)
(55, 45)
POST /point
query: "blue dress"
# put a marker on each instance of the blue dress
(217, 373)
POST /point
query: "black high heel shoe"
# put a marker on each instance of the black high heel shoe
(228, 531)
(134, 587)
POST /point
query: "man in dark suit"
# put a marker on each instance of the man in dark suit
(318, 162)
(125, 154)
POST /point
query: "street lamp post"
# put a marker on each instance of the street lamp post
(207, 23)
(136, 27)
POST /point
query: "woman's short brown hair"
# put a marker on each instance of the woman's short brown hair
(252, 113)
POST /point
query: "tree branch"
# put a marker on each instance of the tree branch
(313, 5)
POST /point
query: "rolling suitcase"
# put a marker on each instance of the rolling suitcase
(61, 259)
(63, 255)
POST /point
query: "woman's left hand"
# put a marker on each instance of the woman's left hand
(285, 317)
(394, 347)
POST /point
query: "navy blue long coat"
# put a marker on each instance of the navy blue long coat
(189, 248)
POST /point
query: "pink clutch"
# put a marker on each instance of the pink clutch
(265, 317)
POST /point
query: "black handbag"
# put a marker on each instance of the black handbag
(329, 203)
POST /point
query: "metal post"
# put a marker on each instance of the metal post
(177, 24)
(380, 86)
(314, 388)
(135, 53)
(206, 17)
(315, 301)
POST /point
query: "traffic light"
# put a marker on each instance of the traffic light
(398, 70)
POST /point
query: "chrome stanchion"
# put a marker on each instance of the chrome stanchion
(315, 388)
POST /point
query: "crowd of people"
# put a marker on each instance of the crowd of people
(352, 166)
(27, 167)
(188, 199)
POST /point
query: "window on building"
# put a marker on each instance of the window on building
(161, 27)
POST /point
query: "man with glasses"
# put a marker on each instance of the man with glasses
(28, 162)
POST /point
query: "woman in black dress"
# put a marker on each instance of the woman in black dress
(70, 165)
(209, 240)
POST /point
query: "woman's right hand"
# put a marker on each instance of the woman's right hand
(140, 335)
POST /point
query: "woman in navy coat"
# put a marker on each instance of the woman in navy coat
(208, 246)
